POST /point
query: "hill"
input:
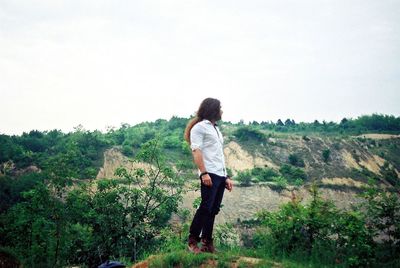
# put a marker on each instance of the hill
(86, 196)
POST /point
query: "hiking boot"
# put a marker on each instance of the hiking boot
(207, 245)
(192, 245)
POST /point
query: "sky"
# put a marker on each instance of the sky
(103, 63)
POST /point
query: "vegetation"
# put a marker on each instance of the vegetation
(316, 234)
(326, 155)
(321, 233)
(53, 213)
(292, 173)
(375, 123)
(93, 221)
(278, 180)
(296, 160)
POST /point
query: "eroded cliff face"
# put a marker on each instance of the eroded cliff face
(113, 159)
(238, 159)
(243, 202)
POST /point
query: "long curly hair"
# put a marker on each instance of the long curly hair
(209, 109)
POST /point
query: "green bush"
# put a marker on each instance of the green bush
(326, 155)
(296, 160)
(390, 175)
(280, 183)
(263, 174)
(244, 178)
(53, 227)
(292, 173)
(249, 134)
(226, 235)
(383, 214)
(320, 232)
(355, 244)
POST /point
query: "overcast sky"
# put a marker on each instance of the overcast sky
(102, 63)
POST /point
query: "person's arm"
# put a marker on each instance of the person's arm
(229, 184)
(196, 139)
(198, 160)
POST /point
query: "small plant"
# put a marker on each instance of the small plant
(226, 235)
(263, 174)
(292, 173)
(390, 174)
(326, 155)
(196, 202)
(244, 178)
(296, 160)
(298, 182)
(280, 182)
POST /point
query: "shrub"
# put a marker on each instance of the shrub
(326, 154)
(244, 178)
(292, 173)
(226, 235)
(249, 134)
(389, 174)
(296, 160)
(263, 174)
(383, 214)
(280, 183)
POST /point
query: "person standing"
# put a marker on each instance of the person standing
(206, 143)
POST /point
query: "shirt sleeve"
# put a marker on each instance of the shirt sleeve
(196, 137)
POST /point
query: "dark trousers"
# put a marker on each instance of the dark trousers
(211, 198)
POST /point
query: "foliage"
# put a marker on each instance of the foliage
(296, 160)
(95, 221)
(292, 173)
(326, 154)
(35, 228)
(180, 258)
(280, 183)
(320, 231)
(263, 174)
(249, 134)
(257, 174)
(226, 235)
(244, 178)
(383, 217)
(366, 123)
(390, 175)
(60, 217)
(11, 189)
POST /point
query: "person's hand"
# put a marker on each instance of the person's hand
(229, 184)
(206, 180)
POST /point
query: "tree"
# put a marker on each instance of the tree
(289, 122)
(55, 226)
(344, 121)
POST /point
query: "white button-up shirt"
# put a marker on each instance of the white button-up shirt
(207, 137)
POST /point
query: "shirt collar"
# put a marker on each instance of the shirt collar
(209, 122)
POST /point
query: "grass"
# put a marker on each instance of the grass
(237, 257)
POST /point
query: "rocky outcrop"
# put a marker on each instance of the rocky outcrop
(238, 159)
(113, 159)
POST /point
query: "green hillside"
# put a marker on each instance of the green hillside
(55, 213)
